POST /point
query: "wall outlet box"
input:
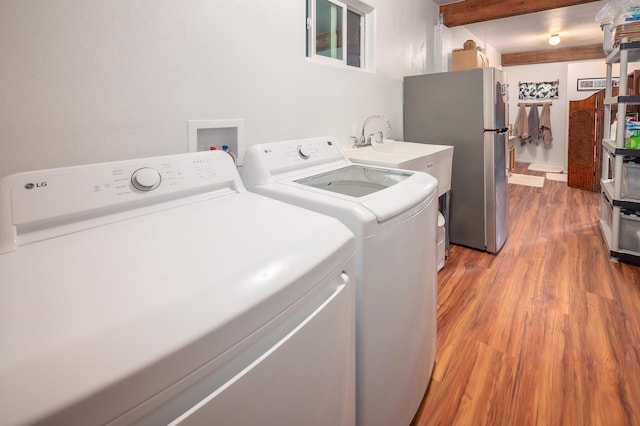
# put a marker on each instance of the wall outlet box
(204, 135)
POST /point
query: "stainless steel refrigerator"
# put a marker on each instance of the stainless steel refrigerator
(469, 110)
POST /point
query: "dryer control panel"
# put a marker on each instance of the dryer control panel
(43, 204)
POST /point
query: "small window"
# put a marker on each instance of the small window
(336, 31)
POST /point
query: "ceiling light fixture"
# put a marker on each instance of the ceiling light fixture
(554, 39)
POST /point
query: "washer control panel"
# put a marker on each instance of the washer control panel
(300, 153)
(41, 199)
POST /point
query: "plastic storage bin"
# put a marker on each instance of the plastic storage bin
(629, 232)
(631, 180)
(606, 211)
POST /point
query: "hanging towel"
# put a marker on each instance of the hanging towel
(534, 124)
(521, 126)
(545, 125)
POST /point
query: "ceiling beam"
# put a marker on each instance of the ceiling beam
(563, 54)
(471, 11)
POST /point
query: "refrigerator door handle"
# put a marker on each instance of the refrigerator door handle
(499, 131)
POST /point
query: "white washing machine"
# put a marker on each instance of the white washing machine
(393, 216)
(160, 291)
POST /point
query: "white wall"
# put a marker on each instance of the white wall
(84, 82)
(531, 153)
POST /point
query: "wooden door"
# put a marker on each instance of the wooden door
(582, 141)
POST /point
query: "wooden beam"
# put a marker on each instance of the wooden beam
(564, 54)
(470, 11)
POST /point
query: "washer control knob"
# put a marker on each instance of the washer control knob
(146, 179)
(302, 152)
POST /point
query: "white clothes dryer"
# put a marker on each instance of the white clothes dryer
(393, 216)
(160, 291)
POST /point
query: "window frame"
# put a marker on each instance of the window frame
(366, 34)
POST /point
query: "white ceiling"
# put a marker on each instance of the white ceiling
(576, 26)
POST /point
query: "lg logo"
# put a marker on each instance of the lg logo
(35, 185)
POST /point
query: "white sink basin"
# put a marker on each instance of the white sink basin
(436, 160)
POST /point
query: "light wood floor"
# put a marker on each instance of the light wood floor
(547, 332)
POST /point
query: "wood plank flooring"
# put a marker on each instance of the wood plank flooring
(546, 332)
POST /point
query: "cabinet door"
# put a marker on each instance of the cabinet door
(582, 124)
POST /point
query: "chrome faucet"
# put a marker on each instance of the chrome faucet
(366, 140)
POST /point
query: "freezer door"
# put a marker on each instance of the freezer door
(496, 117)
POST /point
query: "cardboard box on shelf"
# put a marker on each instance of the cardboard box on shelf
(464, 59)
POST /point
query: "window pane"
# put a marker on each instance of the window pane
(354, 39)
(328, 29)
(307, 27)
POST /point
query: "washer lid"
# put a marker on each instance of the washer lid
(385, 193)
(326, 181)
(355, 180)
